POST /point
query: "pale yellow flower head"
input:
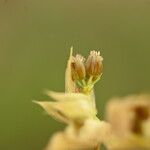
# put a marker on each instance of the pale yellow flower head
(130, 120)
(78, 102)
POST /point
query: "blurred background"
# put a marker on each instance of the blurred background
(35, 38)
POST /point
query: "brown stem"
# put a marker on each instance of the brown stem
(96, 147)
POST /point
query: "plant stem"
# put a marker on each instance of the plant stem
(96, 147)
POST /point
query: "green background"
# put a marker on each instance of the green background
(35, 38)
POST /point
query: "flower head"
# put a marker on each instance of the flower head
(83, 74)
(129, 115)
(78, 68)
(94, 64)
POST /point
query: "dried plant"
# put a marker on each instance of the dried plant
(76, 107)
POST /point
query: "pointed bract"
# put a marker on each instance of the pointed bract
(69, 83)
(69, 107)
(50, 109)
(59, 96)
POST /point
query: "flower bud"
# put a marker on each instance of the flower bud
(78, 68)
(94, 64)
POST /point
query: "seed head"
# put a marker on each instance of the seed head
(78, 68)
(94, 64)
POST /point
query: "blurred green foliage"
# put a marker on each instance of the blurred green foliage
(35, 37)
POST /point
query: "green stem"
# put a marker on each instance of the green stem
(90, 80)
